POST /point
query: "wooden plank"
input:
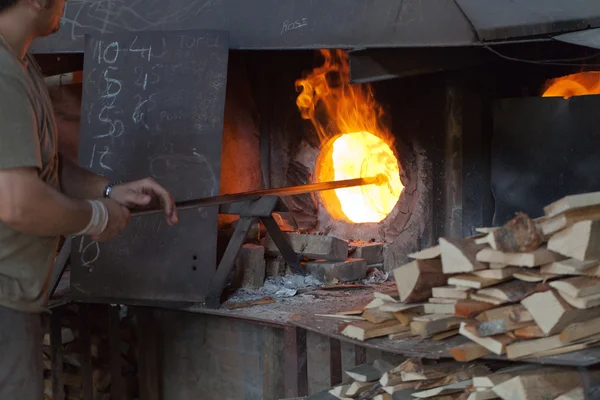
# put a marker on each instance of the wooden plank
(580, 241)
(295, 361)
(469, 352)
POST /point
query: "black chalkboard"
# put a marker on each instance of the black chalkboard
(153, 105)
(543, 149)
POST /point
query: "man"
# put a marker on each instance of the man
(42, 196)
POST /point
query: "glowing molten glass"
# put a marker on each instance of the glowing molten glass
(580, 84)
(355, 142)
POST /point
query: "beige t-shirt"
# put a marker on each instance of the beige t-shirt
(27, 139)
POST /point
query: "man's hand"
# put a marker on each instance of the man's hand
(144, 192)
(118, 217)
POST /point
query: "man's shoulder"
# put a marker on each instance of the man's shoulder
(10, 66)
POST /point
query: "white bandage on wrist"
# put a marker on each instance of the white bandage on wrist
(98, 221)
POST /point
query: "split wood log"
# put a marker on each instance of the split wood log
(513, 290)
(496, 344)
(580, 241)
(583, 303)
(553, 314)
(450, 292)
(468, 352)
(572, 267)
(533, 275)
(474, 281)
(406, 317)
(460, 255)
(501, 376)
(416, 279)
(578, 286)
(535, 258)
(550, 226)
(530, 332)
(363, 330)
(543, 383)
(572, 202)
(487, 299)
(431, 324)
(519, 235)
(503, 320)
(427, 254)
(580, 330)
(500, 273)
(376, 316)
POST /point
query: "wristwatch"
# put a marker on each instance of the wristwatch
(108, 188)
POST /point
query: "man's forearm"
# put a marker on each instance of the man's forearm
(78, 182)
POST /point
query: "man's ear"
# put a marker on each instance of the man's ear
(37, 5)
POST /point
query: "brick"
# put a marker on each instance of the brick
(352, 269)
(372, 253)
(275, 266)
(312, 246)
(250, 266)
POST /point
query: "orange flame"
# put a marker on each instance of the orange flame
(355, 142)
(580, 84)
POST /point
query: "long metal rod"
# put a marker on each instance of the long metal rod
(284, 191)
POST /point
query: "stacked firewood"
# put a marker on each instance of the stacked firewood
(527, 289)
(72, 355)
(414, 379)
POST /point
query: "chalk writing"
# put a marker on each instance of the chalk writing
(89, 253)
(292, 25)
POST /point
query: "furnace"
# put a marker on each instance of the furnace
(473, 110)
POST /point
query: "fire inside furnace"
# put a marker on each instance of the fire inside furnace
(580, 84)
(355, 142)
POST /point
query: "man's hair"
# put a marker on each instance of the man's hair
(6, 4)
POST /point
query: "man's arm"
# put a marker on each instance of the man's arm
(78, 182)
(82, 184)
(29, 205)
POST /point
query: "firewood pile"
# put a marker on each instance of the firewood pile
(72, 354)
(528, 289)
(448, 380)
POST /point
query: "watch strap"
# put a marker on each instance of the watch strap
(109, 187)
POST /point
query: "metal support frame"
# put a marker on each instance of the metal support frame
(249, 210)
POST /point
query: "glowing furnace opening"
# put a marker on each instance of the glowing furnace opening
(356, 155)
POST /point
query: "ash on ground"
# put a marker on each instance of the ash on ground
(277, 287)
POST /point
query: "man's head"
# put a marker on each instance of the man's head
(42, 16)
